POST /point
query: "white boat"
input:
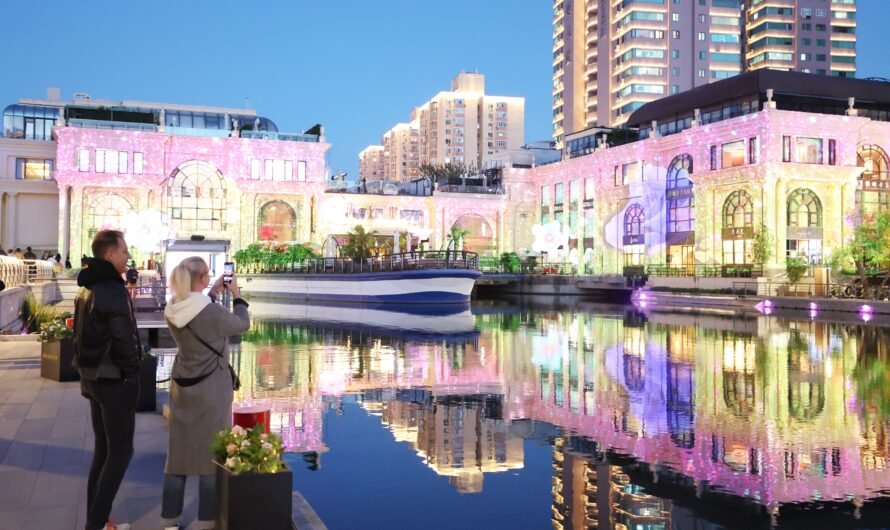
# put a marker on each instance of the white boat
(408, 278)
(412, 321)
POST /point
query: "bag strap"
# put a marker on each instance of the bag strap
(202, 341)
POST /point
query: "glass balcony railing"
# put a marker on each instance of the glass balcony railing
(286, 137)
(102, 124)
(200, 133)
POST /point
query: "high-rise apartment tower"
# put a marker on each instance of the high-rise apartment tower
(610, 57)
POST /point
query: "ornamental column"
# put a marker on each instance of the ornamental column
(11, 213)
(64, 221)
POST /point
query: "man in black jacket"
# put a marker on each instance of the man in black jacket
(108, 357)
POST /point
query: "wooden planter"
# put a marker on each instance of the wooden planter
(253, 500)
(56, 360)
(148, 388)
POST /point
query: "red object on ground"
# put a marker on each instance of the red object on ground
(248, 417)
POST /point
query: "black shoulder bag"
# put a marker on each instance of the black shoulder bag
(191, 381)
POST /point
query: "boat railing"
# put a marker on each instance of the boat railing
(405, 261)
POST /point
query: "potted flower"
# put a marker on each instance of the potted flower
(253, 484)
(57, 350)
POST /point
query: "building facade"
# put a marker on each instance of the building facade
(463, 126)
(716, 165)
(610, 58)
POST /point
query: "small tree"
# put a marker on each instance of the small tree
(795, 269)
(762, 247)
(869, 247)
(358, 243)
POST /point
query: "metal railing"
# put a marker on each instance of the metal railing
(418, 260)
(841, 291)
(38, 270)
(287, 137)
(701, 270)
(102, 124)
(493, 265)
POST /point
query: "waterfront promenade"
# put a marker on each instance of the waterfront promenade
(46, 447)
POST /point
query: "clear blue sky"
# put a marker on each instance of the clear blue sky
(356, 66)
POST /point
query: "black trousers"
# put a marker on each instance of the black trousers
(113, 411)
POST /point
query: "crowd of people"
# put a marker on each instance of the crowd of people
(46, 256)
(108, 356)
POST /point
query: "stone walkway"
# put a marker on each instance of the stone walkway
(46, 445)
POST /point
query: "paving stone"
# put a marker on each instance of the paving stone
(24, 455)
(42, 410)
(16, 486)
(46, 518)
(14, 411)
(8, 427)
(35, 430)
(50, 394)
(68, 427)
(60, 487)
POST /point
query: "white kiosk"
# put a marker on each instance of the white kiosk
(214, 251)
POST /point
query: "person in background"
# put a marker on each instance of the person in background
(132, 278)
(67, 262)
(10, 252)
(108, 356)
(2, 252)
(84, 261)
(57, 263)
(202, 385)
(18, 253)
(29, 254)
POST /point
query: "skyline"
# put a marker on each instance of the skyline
(311, 79)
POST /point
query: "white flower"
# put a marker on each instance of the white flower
(231, 448)
(245, 443)
(230, 462)
(238, 430)
(267, 446)
(264, 436)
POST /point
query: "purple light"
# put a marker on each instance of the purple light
(814, 306)
(813, 314)
(767, 303)
(642, 296)
(866, 312)
(865, 308)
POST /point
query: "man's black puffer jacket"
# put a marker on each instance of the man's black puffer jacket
(105, 335)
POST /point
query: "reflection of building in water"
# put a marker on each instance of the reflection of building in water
(767, 413)
(588, 492)
(458, 436)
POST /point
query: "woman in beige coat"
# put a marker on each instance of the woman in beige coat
(202, 385)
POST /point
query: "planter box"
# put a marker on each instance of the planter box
(254, 500)
(148, 387)
(56, 361)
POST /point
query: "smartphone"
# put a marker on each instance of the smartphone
(228, 271)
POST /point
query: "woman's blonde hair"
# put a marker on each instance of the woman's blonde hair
(184, 274)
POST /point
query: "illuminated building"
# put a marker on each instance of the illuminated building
(611, 57)
(799, 154)
(463, 126)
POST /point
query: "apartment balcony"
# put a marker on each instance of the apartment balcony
(843, 22)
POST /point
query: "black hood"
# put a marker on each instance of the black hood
(98, 270)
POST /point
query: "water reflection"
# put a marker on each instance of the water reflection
(651, 420)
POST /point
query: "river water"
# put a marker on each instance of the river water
(503, 415)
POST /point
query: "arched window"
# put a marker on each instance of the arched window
(872, 195)
(633, 220)
(680, 202)
(679, 171)
(196, 198)
(277, 222)
(477, 233)
(738, 228)
(106, 211)
(804, 209)
(738, 210)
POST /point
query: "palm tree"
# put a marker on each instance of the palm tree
(358, 243)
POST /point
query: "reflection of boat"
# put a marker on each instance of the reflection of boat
(408, 278)
(414, 321)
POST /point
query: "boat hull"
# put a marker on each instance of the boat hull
(401, 287)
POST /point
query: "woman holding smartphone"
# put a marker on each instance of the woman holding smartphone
(202, 385)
